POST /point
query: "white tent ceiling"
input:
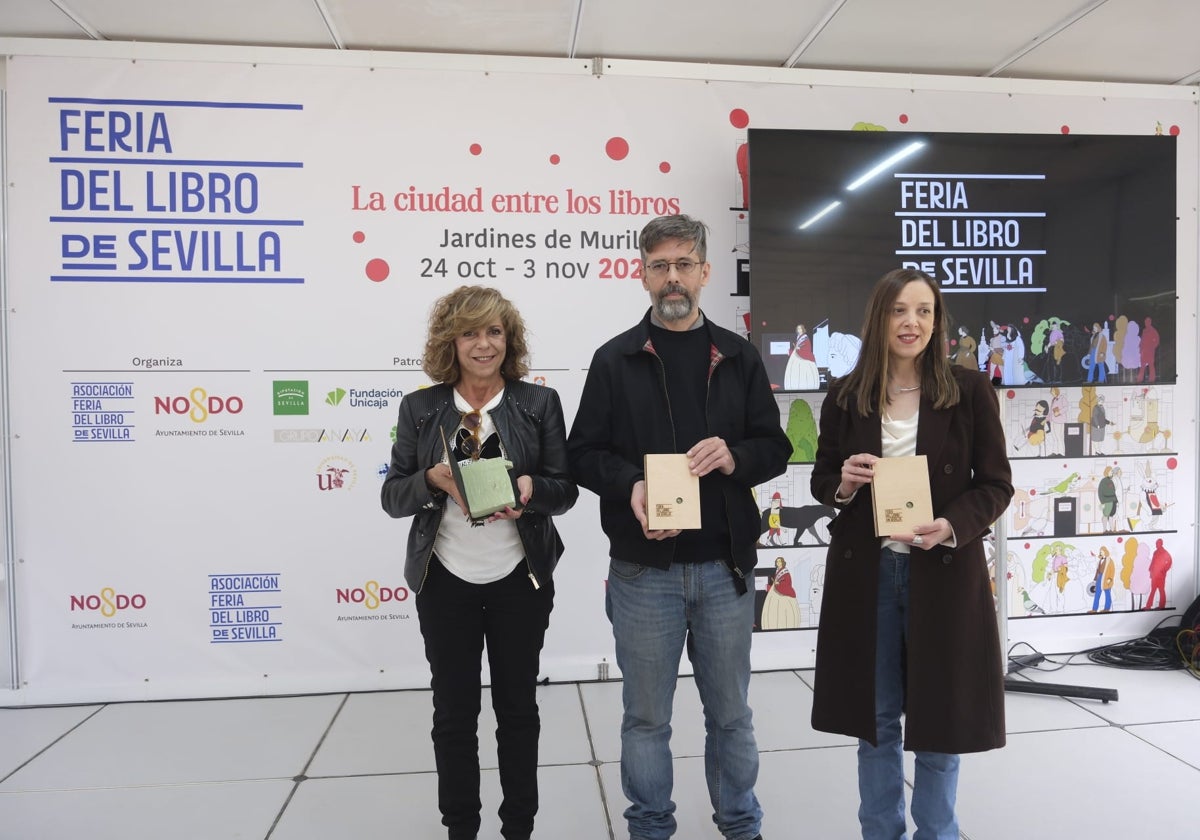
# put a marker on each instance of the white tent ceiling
(1146, 41)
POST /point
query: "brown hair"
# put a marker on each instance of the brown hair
(867, 382)
(473, 308)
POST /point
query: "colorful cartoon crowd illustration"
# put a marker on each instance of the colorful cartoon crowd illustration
(1092, 528)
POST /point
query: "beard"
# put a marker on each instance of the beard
(674, 310)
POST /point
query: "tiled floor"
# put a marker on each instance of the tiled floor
(360, 766)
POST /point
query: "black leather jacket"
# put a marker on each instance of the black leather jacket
(529, 420)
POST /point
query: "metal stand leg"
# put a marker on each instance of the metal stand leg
(1016, 663)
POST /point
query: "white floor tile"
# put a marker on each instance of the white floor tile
(1098, 784)
(378, 732)
(221, 811)
(809, 793)
(131, 744)
(1143, 696)
(405, 806)
(1180, 739)
(26, 732)
(782, 704)
(220, 769)
(388, 732)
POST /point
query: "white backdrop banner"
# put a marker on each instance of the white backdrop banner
(218, 278)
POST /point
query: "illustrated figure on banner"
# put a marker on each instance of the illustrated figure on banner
(1058, 419)
(774, 520)
(1150, 495)
(1136, 565)
(964, 353)
(1144, 427)
(780, 611)
(1014, 357)
(1131, 353)
(801, 371)
(1149, 350)
(1109, 498)
(1056, 348)
(1096, 358)
(1102, 581)
(843, 353)
(816, 592)
(991, 353)
(1039, 429)
(814, 520)
(1160, 564)
(1098, 422)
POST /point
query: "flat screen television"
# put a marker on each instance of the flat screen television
(1036, 241)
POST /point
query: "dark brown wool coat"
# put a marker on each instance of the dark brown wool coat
(955, 683)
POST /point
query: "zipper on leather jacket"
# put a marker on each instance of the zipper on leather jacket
(429, 556)
(528, 565)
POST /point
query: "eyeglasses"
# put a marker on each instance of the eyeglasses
(659, 268)
(472, 421)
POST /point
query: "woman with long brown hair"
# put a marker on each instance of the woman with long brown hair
(907, 620)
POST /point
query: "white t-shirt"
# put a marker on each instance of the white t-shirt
(899, 439)
(477, 553)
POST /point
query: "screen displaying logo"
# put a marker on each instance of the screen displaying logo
(290, 396)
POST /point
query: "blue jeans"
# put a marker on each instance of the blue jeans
(654, 614)
(881, 768)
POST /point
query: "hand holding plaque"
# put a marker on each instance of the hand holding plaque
(900, 494)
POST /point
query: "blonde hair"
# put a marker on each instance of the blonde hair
(473, 308)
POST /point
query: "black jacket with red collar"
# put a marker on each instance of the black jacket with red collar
(624, 413)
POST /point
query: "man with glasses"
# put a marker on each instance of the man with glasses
(676, 383)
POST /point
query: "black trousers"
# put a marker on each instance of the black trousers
(457, 619)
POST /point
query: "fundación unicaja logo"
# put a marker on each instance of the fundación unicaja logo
(335, 396)
(290, 396)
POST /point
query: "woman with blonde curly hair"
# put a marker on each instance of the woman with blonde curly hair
(485, 580)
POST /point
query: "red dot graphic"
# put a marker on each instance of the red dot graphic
(664, 167)
(476, 149)
(555, 160)
(1174, 131)
(617, 148)
(1066, 129)
(1172, 463)
(360, 237)
(739, 118)
(904, 119)
(378, 270)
